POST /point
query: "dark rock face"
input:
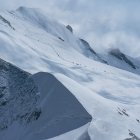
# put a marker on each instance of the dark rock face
(61, 39)
(18, 96)
(89, 52)
(6, 22)
(69, 28)
(133, 136)
(119, 55)
(85, 43)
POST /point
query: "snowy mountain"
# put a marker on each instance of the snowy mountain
(69, 90)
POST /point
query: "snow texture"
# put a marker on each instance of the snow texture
(72, 93)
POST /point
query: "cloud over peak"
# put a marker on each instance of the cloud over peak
(104, 23)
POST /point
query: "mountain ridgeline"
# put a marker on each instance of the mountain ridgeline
(56, 86)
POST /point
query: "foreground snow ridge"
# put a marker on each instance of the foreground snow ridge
(62, 112)
(43, 104)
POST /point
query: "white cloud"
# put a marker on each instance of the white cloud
(104, 23)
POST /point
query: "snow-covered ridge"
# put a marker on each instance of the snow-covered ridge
(38, 101)
(34, 32)
(62, 112)
(90, 85)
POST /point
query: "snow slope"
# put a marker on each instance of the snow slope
(92, 83)
(37, 107)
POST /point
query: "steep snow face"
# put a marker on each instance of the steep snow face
(110, 95)
(37, 38)
(89, 52)
(39, 102)
(33, 41)
(61, 111)
(120, 60)
(38, 19)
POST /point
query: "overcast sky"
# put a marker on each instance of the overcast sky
(104, 23)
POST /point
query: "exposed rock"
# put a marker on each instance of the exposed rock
(133, 136)
(89, 52)
(18, 96)
(121, 56)
(6, 22)
(69, 28)
(138, 120)
(87, 45)
(60, 38)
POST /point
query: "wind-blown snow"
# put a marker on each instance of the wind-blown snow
(92, 83)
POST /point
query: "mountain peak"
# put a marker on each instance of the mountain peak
(121, 56)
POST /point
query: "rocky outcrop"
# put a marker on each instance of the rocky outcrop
(121, 56)
(18, 96)
(6, 22)
(69, 28)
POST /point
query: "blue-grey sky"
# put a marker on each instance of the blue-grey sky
(104, 23)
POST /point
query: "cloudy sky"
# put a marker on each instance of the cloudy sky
(104, 23)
